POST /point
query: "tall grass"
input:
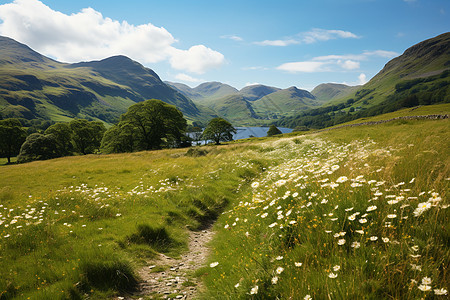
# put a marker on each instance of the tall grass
(80, 227)
(83, 225)
(354, 214)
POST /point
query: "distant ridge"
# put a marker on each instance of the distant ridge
(33, 86)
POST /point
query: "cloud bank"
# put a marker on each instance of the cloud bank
(334, 62)
(88, 35)
(310, 37)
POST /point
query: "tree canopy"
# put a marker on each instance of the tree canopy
(38, 146)
(273, 130)
(218, 130)
(87, 135)
(12, 135)
(148, 125)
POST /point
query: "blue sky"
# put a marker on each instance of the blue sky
(279, 43)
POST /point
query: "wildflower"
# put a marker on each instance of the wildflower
(392, 216)
(342, 179)
(421, 208)
(352, 218)
(362, 221)
(385, 239)
(341, 242)
(424, 288)
(254, 290)
(373, 238)
(273, 224)
(214, 264)
(308, 297)
(391, 202)
(264, 215)
(298, 264)
(332, 275)
(426, 280)
(356, 245)
(280, 182)
(416, 267)
(226, 226)
(236, 285)
(295, 194)
(274, 280)
(279, 258)
(279, 270)
(440, 292)
(336, 268)
(349, 209)
(255, 184)
(292, 222)
(371, 208)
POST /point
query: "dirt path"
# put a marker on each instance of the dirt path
(169, 278)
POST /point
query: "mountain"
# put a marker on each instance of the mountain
(284, 102)
(329, 91)
(236, 109)
(206, 92)
(420, 76)
(33, 86)
(257, 91)
(420, 70)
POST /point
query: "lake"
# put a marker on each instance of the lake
(246, 132)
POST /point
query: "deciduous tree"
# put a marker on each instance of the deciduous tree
(12, 136)
(219, 130)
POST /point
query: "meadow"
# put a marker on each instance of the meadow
(346, 214)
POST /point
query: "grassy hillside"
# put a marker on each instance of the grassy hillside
(329, 91)
(81, 225)
(257, 91)
(425, 60)
(284, 102)
(235, 109)
(33, 86)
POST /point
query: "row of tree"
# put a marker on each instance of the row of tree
(147, 125)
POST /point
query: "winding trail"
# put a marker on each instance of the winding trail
(175, 281)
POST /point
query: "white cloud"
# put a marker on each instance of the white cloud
(232, 37)
(349, 64)
(279, 43)
(197, 59)
(302, 66)
(333, 62)
(88, 35)
(187, 78)
(252, 83)
(362, 79)
(318, 34)
(309, 37)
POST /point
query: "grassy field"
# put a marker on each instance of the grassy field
(350, 213)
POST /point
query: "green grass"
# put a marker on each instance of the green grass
(85, 224)
(284, 236)
(66, 220)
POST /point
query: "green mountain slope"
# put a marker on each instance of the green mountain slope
(33, 86)
(284, 102)
(329, 91)
(236, 109)
(419, 71)
(420, 76)
(255, 92)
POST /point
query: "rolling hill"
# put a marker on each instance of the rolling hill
(257, 91)
(420, 76)
(328, 91)
(419, 70)
(33, 86)
(284, 102)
